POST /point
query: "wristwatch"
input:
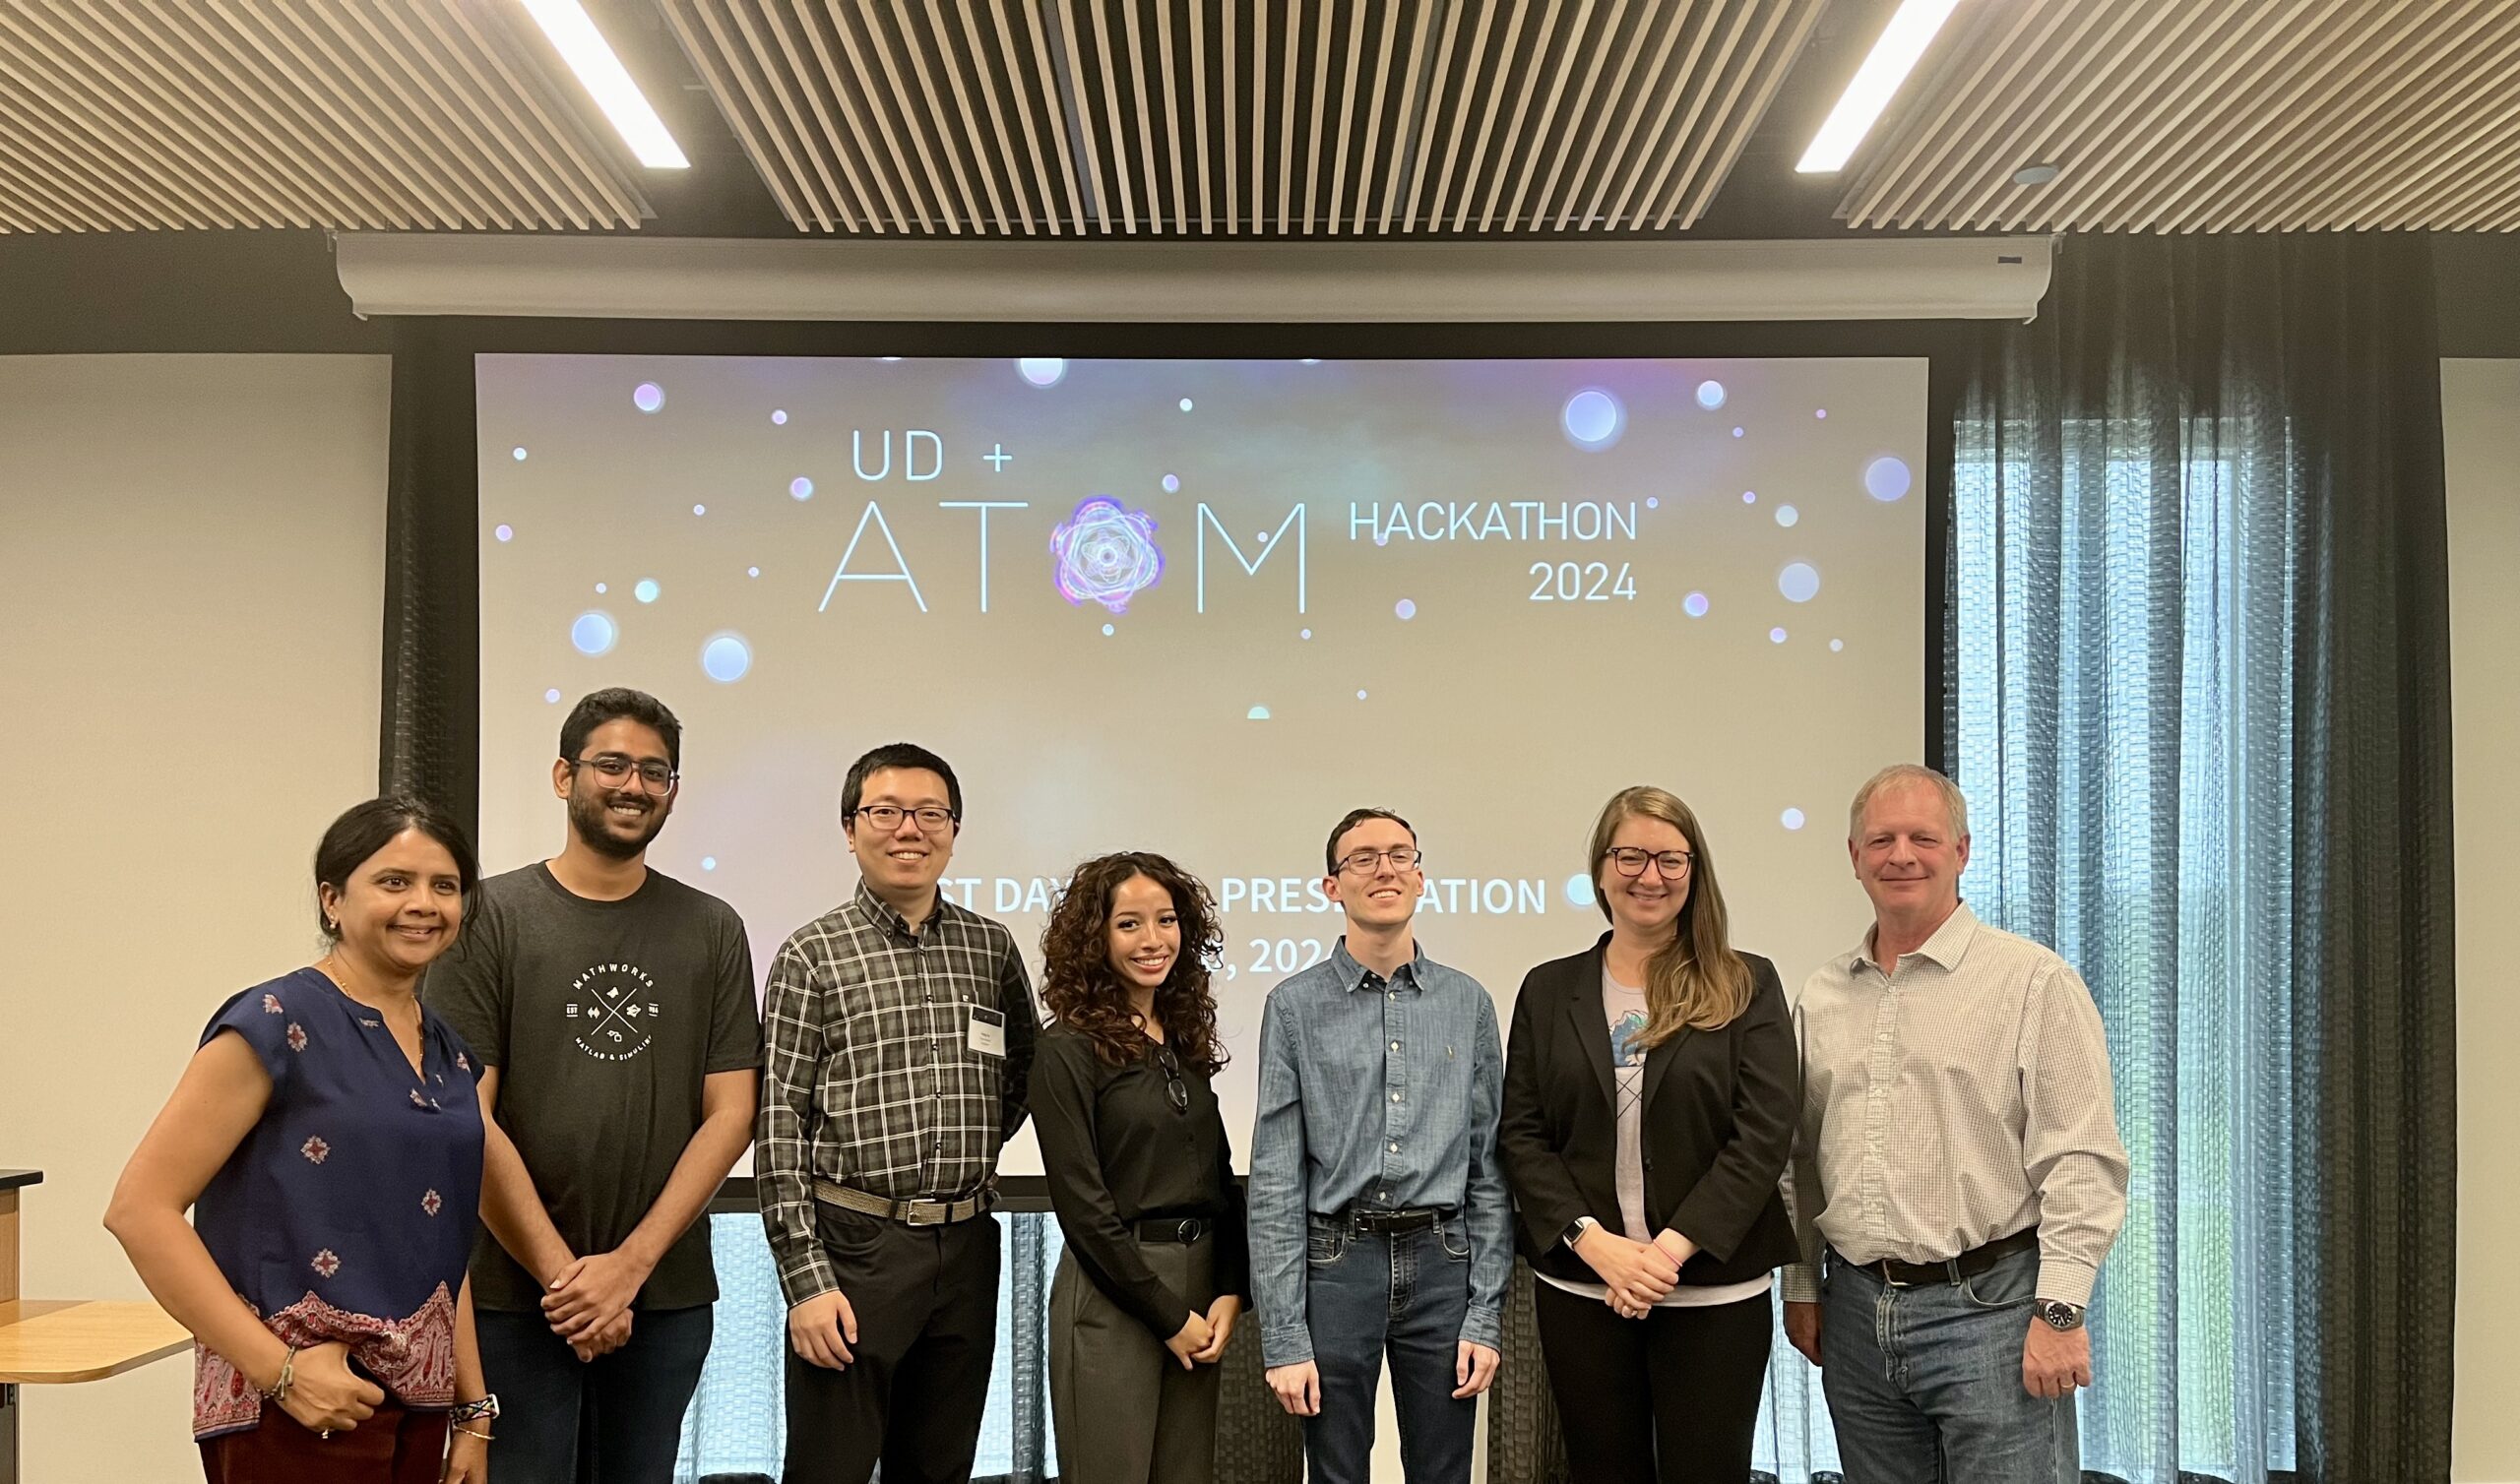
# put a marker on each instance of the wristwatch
(2059, 1314)
(1575, 1233)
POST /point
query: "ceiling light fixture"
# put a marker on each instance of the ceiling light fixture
(2035, 175)
(572, 32)
(1905, 39)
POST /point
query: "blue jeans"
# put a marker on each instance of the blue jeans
(616, 1419)
(1367, 1296)
(1925, 1383)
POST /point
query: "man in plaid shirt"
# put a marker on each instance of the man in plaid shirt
(899, 1029)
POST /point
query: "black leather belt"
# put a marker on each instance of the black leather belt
(1183, 1229)
(1385, 1222)
(1967, 1264)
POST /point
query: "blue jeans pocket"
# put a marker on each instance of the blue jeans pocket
(1455, 1238)
(1324, 1245)
(2006, 1285)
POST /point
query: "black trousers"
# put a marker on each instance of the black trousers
(1670, 1398)
(926, 1305)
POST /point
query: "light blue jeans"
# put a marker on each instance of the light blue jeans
(1925, 1383)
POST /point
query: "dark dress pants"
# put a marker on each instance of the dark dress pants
(1670, 1398)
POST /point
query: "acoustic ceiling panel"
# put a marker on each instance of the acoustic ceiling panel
(2208, 115)
(1221, 117)
(414, 114)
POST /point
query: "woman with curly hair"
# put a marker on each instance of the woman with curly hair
(1140, 1173)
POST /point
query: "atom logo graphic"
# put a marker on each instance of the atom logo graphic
(1105, 554)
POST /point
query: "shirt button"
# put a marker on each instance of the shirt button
(1395, 1148)
(1394, 1045)
(1395, 1098)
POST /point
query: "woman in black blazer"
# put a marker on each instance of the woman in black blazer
(1650, 1100)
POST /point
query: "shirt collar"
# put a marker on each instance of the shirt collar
(1353, 976)
(1946, 948)
(880, 912)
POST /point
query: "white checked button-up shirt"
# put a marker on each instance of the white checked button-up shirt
(1954, 1097)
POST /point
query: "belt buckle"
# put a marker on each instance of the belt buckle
(924, 1212)
(1188, 1231)
(1889, 1280)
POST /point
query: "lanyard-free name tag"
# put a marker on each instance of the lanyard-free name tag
(988, 1031)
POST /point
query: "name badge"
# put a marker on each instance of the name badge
(988, 1031)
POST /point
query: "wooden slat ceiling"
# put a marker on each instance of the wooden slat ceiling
(2208, 115)
(1220, 117)
(128, 114)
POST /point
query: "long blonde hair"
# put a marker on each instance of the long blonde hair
(1697, 980)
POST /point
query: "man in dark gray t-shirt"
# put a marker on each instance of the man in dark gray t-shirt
(613, 1009)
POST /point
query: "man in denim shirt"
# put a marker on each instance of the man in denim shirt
(1378, 1214)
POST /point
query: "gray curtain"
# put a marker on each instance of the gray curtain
(2197, 610)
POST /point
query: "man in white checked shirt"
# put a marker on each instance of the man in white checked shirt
(1958, 1153)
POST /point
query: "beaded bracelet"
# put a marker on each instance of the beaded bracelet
(278, 1391)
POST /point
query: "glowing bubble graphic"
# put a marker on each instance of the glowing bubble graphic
(1185, 405)
(1694, 605)
(1710, 395)
(647, 589)
(1407, 608)
(1886, 478)
(1737, 432)
(1256, 714)
(1749, 497)
(601, 589)
(1361, 695)
(726, 658)
(1106, 553)
(649, 397)
(1307, 634)
(1173, 484)
(1041, 370)
(707, 863)
(552, 695)
(517, 454)
(779, 417)
(1592, 419)
(1791, 819)
(1109, 630)
(1787, 515)
(1799, 581)
(1652, 503)
(1819, 411)
(700, 510)
(594, 632)
(505, 532)
(752, 572)
(1835, 645)
(1775, 636)
(1579, 891)
(800, 488)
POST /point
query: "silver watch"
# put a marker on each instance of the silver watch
(2059, 1314)
(1575, 1234)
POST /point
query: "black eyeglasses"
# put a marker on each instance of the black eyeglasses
(889, 817)
(1362, 863)
(1174, 1085)
(614, 768)
(1630, 861)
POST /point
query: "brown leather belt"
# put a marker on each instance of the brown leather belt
(1967, 1264)
(913, 1213)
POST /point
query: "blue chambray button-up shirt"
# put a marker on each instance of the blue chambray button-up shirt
(1375, 1093)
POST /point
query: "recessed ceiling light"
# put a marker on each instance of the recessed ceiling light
(2033, 175)
(1911, 30)
(572, 33)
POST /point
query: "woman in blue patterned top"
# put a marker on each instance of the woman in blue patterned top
(328, 1136)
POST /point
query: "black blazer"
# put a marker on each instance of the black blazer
(1719, 1117)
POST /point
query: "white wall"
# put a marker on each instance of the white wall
(191, 592)
(2481, 430)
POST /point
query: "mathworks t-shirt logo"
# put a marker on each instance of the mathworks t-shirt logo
(612, 1011)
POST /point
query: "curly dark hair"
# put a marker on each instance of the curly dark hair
(1085, 995)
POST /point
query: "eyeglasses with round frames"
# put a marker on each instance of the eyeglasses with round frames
(614, 768)
(1362, 862)
(1627, 860)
